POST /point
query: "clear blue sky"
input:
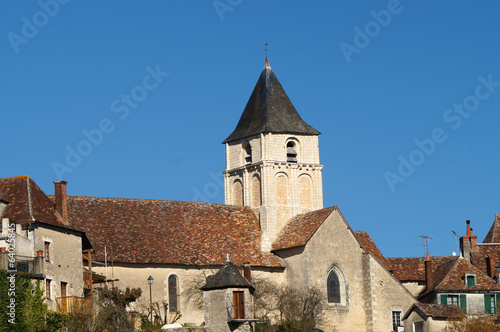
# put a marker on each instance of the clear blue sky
(66, 71)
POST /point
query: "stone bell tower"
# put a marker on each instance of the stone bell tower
(272, 159)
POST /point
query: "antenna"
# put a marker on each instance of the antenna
(426, 243)
(265, 48)
(456, 241)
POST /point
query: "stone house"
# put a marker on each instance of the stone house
(46, 246)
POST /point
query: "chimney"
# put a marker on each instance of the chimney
(469, 232)
(428, 271)
(247, 272)
(61, 200)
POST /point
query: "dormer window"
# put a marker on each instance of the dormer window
(470, 280)
(247, 151)
(291, 152)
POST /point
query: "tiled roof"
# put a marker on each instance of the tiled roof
(412, 268)
(27, 202)
(300, 229)
(269, 110)
(228, 276)
(437, 311)
(170, 232)
(482, 252)
(493, 235)
(450, 276)
(369, 245)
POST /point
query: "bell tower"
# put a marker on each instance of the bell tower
(272, 159)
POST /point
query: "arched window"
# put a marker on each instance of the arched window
(291, 152)
(247, 152)
(333, 287)
(173, 294)
(256, 192)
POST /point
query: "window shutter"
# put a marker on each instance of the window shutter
(497, 302)
(444, 299)
(487, 303)
(463, 303)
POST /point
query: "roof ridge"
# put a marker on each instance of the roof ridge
(151, 200)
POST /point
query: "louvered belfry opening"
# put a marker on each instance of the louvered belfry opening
(291, 152)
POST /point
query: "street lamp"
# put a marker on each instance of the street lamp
(150, 282)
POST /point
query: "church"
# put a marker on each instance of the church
(273, 219)
(273, 222)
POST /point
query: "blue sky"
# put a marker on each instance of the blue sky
(407, 91)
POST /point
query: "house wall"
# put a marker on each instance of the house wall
(430, 325)
(414, 288)
(369, 293)
(65, 263)
(190, 279)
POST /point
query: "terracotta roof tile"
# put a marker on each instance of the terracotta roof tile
(493, 235)
(300, 229)
(437, 311)
(369, 245)
(412, 268)
(170, 232)
(27, 202)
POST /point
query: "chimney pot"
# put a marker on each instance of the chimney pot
(61, 199)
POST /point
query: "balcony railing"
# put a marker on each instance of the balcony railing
(74, 305)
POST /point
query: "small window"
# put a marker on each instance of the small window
(333, 288)
(47, 288)
(396, 320)
(239, 305)
(247, 150)
(471, 280)
(291, 152)
(47, 251)
(173, 294)
(453, 300)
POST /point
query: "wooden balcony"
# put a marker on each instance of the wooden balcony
(74, 305)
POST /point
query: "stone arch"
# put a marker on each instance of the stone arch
(281, 189)
(247, 153)
(256, 191)
(337, 288)
(306, 191)
(237, 192)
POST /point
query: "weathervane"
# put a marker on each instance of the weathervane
(265, 48)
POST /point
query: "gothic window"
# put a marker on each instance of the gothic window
(291, 152)
(333, 287)
(238, 192)
(256, 192)
(247, 152)
(173, 293)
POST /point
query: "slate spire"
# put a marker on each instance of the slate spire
(269, 110)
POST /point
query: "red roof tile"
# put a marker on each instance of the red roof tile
(493, 235)
(300, 229)
(437, 311)
(27, 202)
(412, 268)
(170, 232)
(369, 245)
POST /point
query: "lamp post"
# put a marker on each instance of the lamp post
(150, 282)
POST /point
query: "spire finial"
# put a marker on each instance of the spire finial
(227, 260)
(266, 65)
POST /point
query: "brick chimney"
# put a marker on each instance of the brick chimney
(61, 200)
(490, 266)
(428, 271)
(247, 272)
(468, 243)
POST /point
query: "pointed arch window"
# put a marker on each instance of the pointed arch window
(173, 294)
(291, 152)
(333, 287)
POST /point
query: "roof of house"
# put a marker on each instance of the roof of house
(413, 268)
(300, 229)
(28, 203)
(269, 110)
(170, 232)
(369, 245)
(493, 235)
(437, 311)
(227, 277)
(451, 276)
